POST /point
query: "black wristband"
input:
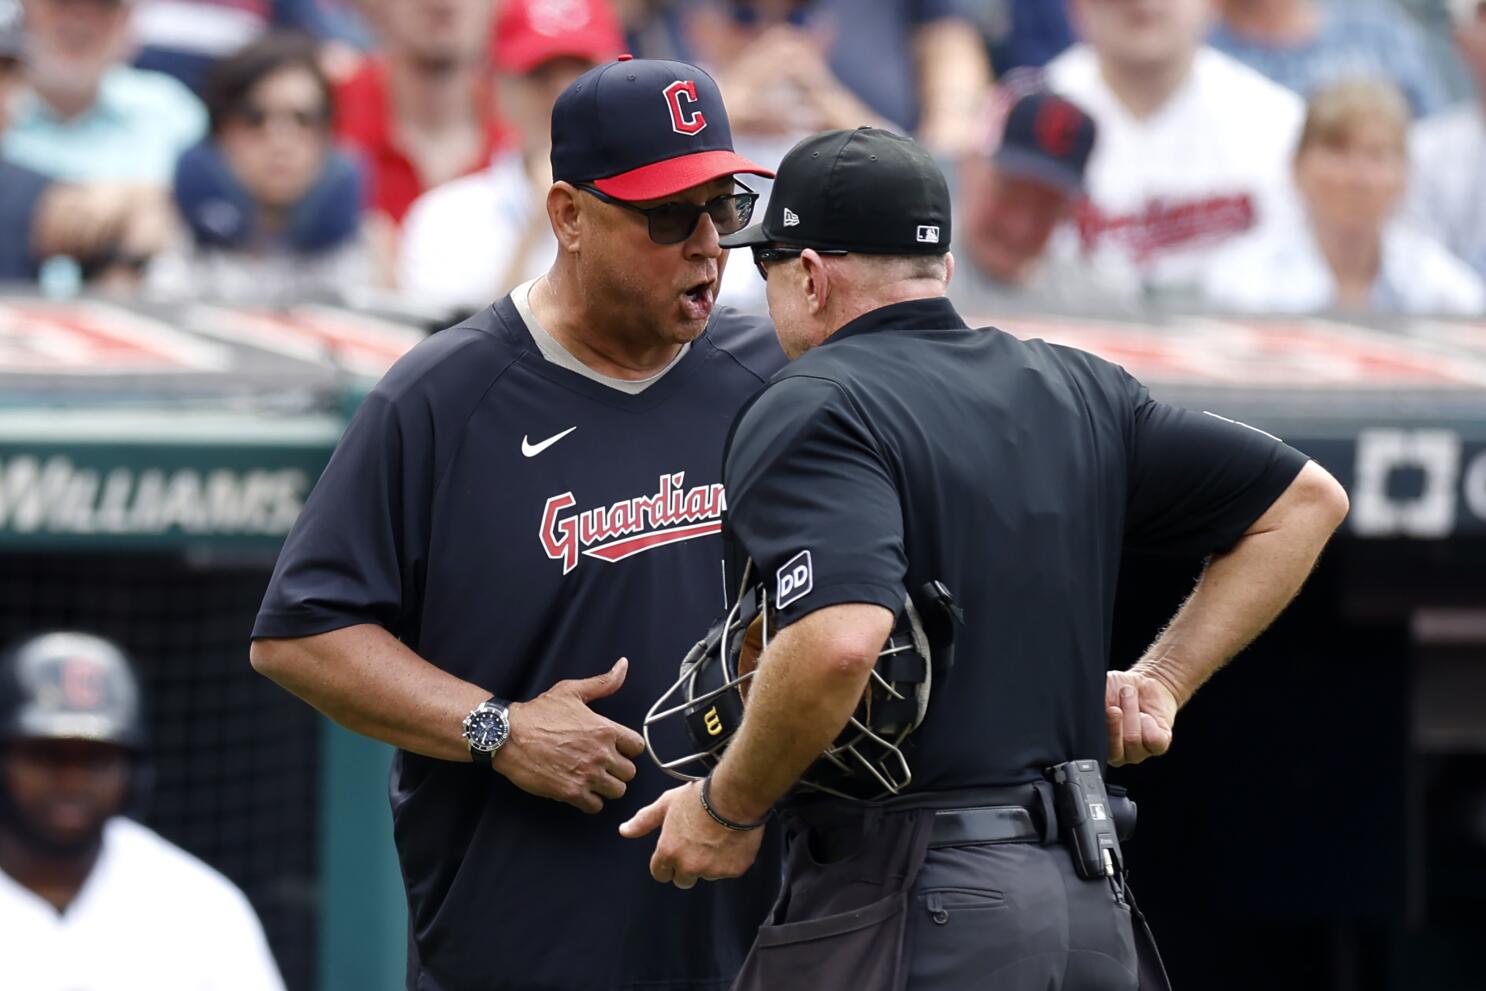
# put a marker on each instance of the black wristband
(722, 820)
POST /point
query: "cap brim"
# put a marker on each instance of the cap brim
(667, 178)
(1025, 165)
(520, 60)
(746, 238)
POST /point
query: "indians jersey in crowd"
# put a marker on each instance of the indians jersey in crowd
(1167, 191)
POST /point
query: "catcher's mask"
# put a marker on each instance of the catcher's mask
(867, 759)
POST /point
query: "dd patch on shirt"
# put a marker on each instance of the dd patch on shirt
(795, 580)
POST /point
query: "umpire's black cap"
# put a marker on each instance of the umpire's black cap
(867, 190)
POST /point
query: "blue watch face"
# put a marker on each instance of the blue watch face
(486, 729)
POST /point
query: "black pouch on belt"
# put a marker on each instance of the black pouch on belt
(841, 921)
(1085, 818)
(1093, 820)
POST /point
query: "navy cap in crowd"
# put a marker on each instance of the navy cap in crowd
(642, 129)
(1047, 139)
(868, 190)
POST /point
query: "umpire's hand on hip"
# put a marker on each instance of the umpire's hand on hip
(560, 748)
(692, 845)
(1139, 712)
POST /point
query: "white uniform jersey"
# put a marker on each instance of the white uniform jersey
(150, 917)
(1169, 190)
(1448, 190)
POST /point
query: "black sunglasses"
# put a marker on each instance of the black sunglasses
(258, 118)
(672, 223)
(763, 254)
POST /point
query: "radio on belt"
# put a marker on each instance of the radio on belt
(1085, 818)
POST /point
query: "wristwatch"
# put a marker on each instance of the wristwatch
(487, 728)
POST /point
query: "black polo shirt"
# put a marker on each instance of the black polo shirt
(910, 447)
(516, 524)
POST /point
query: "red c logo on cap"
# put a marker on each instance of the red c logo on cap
(684, 120)
(1057, 127)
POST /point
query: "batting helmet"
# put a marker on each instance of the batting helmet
(61, 686)
(867, 759)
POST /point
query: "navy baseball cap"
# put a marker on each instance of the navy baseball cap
(868, 190)
(1047, 139)
(641, 129)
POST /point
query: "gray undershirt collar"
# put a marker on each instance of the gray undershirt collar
(559, 355)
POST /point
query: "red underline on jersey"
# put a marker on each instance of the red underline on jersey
(630, 546)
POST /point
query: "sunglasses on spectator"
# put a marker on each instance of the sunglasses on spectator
(258, 118)
(763, 254)
(672, 223)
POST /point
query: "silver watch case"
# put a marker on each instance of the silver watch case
(486, 729)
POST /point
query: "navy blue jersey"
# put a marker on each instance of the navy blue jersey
(910, 448)
(516, 524)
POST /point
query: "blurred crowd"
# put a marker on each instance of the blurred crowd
(1265, 156)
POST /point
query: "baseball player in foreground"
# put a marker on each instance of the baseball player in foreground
(523, 498)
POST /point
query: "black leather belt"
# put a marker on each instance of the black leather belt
(994, 824)
(835, 831)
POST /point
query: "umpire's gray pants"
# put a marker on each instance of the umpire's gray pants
(1016, 917)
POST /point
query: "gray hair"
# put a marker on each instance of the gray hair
(884, 269)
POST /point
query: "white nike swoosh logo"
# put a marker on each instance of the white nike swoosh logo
(532, 450)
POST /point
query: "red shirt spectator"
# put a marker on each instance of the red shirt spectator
(364, 119)
(424, 111)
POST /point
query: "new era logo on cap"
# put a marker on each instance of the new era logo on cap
(928, 234)
(791, 219)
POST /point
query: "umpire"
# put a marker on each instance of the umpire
(901, 448)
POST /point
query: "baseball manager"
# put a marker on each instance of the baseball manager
(523, 498)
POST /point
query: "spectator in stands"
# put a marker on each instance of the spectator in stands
(88, 897)
(184, 37)
(652, 28)
(1349, 253)
(88, 116)
(272, 210)
(475, 239)
(1448, 194)
(1306, 44)
(1011, 200)
(789, 68)
(102, 225)
(424, 111)
(772, 60)
(1024, 33)
(1194, 148)
(918, 65)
